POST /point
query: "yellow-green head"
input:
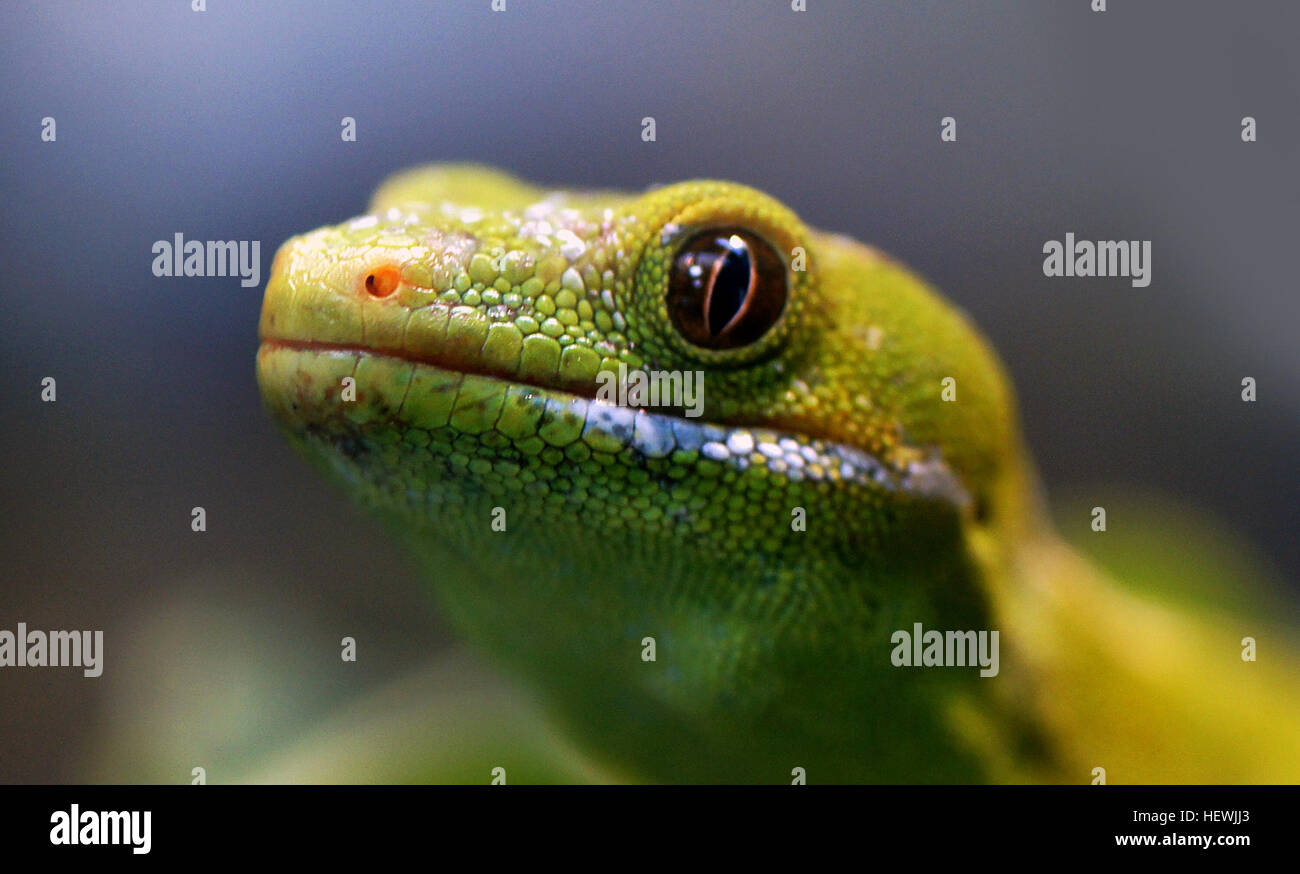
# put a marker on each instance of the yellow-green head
(703, 597)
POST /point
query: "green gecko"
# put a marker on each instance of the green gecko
(714, 599)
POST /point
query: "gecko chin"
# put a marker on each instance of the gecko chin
(408, 434)
(563, 532)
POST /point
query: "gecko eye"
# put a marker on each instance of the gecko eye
(726, 289)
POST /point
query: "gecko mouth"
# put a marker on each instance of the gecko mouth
(449, 363)
(304, 384)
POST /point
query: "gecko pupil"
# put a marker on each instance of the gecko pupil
(730, 285)
(726, 289)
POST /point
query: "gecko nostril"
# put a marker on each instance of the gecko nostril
(382, 281)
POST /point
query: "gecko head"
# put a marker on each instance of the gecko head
(681, 414)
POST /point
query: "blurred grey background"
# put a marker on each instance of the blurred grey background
(225, 125)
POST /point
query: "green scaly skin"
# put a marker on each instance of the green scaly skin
(475, 382)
